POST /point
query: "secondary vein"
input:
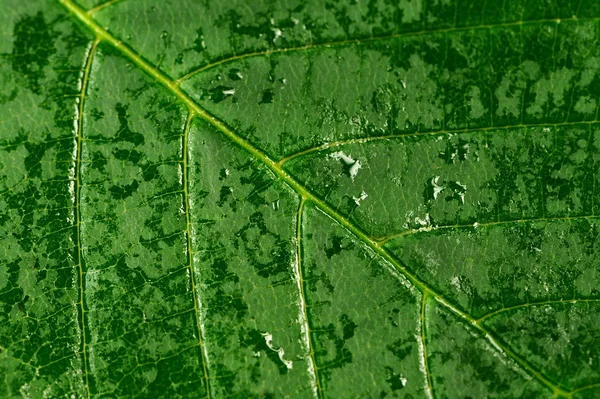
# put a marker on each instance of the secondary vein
(160, 77)
(372, 39)
(428, 383)
(77, 209)
(401, 136)
(188, 233)
(427, 229)
(305, 325)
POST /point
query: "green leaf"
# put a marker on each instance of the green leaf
(339, 199)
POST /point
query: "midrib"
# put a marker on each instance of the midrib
(306, 195)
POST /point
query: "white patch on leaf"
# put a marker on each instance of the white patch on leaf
(437, 189)
(269, 341)
(362, 196)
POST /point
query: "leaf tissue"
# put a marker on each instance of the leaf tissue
(299, 199)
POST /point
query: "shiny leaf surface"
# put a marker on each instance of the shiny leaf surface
(326, 199)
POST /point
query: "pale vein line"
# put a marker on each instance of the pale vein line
(428, 382)
(102, 6)
(532, 304)
(584, 388)
(188, 233)
(361, 140)
(296, 186)
(372, 39)
(77, 208)
(383, 240)
(303, 316)
(503, 349)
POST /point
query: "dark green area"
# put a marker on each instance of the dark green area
(330, 199)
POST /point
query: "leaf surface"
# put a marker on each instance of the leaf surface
(299, 199)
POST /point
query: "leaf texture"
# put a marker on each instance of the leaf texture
(326, 199)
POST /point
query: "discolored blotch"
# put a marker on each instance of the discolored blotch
(32, 48)
(124, 191)
(267, 97)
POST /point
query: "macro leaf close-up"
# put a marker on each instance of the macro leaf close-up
(299, 199)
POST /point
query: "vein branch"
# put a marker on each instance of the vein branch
(371, 39)
(102, 6)
(188, 233)
(295, 185)
(77, 208)
(401, 136)
(533, 304)
(584, 388)
(383, 240)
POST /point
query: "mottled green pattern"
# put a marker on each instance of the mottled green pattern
(327, 199)
(244, 225)
(460, 358)
(337, 270)
(41, 58)
(139, 308)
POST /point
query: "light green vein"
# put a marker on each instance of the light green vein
(362, 140)
(79, 132)
(476, 225)
(190, 253)
(346, 42)
(428, 383)
(532, 304)
(584, 388)
(103, 5)
(313, 370)
(295, 185)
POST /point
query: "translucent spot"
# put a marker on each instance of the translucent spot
(277, 32)
(164, 34)
(437, 189)
(269, 341)
(423, 222)
(403, 380)
(357, 200)
(461, 193)
(354, 169)
(275, 205)
(339, 155)
(348, 160)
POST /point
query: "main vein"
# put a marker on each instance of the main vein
(188, 233)
(305, 325)
(296, 186)
(79, 132)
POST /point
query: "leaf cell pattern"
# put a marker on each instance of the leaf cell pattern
(299, 199)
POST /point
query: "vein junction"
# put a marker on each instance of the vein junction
(305, 193)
